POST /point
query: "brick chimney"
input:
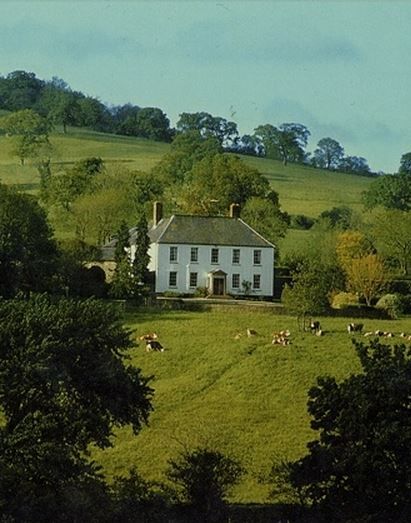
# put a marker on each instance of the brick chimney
(234, 210)
(157, 212)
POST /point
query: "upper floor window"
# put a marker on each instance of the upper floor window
(214, 255)
(257, 281)
(173, 254)
(236, 256)
(235, 281)
(194, 254)
(257, 257)
(172, 279)
(193, 279)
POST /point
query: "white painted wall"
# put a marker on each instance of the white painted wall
(159, 262)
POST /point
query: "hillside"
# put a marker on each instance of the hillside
(302, 190)
(246, 397)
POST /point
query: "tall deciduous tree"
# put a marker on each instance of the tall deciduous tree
(405, 164)
(358, 469)
(29, 131)
(63, 386)
(209, 126)
(27, 248)
(286, 143)
(328, 154)
(392, 191)
(141, 256)
(367, 276)
(265, 217)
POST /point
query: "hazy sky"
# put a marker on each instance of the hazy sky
(341, 68)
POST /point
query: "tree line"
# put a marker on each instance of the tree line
(56, 102)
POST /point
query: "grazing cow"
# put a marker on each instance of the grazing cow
(379, 333)
(355, 327)
(315, 326)
(319, 332)
(281, 340)
(369, 334)
(251, 332)
(149, 336)
(388, 334)
(153, 345)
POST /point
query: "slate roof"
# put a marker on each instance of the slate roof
(206, 230)
(197, 230)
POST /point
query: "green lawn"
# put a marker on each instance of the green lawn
(244, 397)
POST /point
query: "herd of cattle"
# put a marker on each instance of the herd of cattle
(282, 337)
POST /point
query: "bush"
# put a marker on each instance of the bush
(342, 300)
(391, 303)
(300, 221)
(201, 292)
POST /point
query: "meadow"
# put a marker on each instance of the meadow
(244, 397)
(302, 189)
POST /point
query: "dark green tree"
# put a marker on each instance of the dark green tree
(152, 123)
(392, 191)
(328, 154)
(203, 478)
(28, 252)
(209, 126)
(285, 142)
(63, 387)
(405, 164)
(141, 258)
(266, 218)
(359, 468)
(354, 165)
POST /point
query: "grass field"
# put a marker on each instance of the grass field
(302, 190)
(245, 397)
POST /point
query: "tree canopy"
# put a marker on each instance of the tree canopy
(358, 469)
(392, 191)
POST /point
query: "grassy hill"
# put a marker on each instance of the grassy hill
(245, 397)
(302, 190)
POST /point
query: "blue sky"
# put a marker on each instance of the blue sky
(341, 68)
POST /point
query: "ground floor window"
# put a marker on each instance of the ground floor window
(257, 281)
(235, 281)
(172, 279)
(193, 279)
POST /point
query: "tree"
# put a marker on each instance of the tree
(351, 245)
(140, 256)
(367, 276)
(391, 229)
(217, 181)
(20, 90)
(65, 109)
(203, 478)
(405, 164)
(29, 131)
(209, 126)
(63, 387)
(354, 165)
(358, 469)
(392, 191)
(286, 143)
(328, 154)
(265, 217)
(152, 123)
(340, 217)
(27, 249)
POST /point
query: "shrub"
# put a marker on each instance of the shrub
(342, 300)
(201, 292)
(391, 303)
(300, 221)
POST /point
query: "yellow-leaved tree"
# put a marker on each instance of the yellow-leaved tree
(367, 276)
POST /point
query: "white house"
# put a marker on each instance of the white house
(223, 254)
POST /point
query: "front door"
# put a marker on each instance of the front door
(218, 286)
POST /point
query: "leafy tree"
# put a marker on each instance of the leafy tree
(27, 249)
(286, 143)
(328, 154)
(405, 164)
(29, 131)
(392, 191)
(122, 285)
(203, 478)
(310, 290)
(209, 126)
(186, 149)
(217, 181)
(351, 245)
(265, 217)
(367, 276)
(338, 217)
(152, 123)
(359, 467)
(20, 90)
(391, 230)
(63, 387)
(354, 165)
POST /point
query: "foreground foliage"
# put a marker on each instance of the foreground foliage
(63, 386)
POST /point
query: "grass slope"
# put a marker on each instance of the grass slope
(244, 397)
(302, 190)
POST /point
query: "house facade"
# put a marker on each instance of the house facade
(222, 254)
